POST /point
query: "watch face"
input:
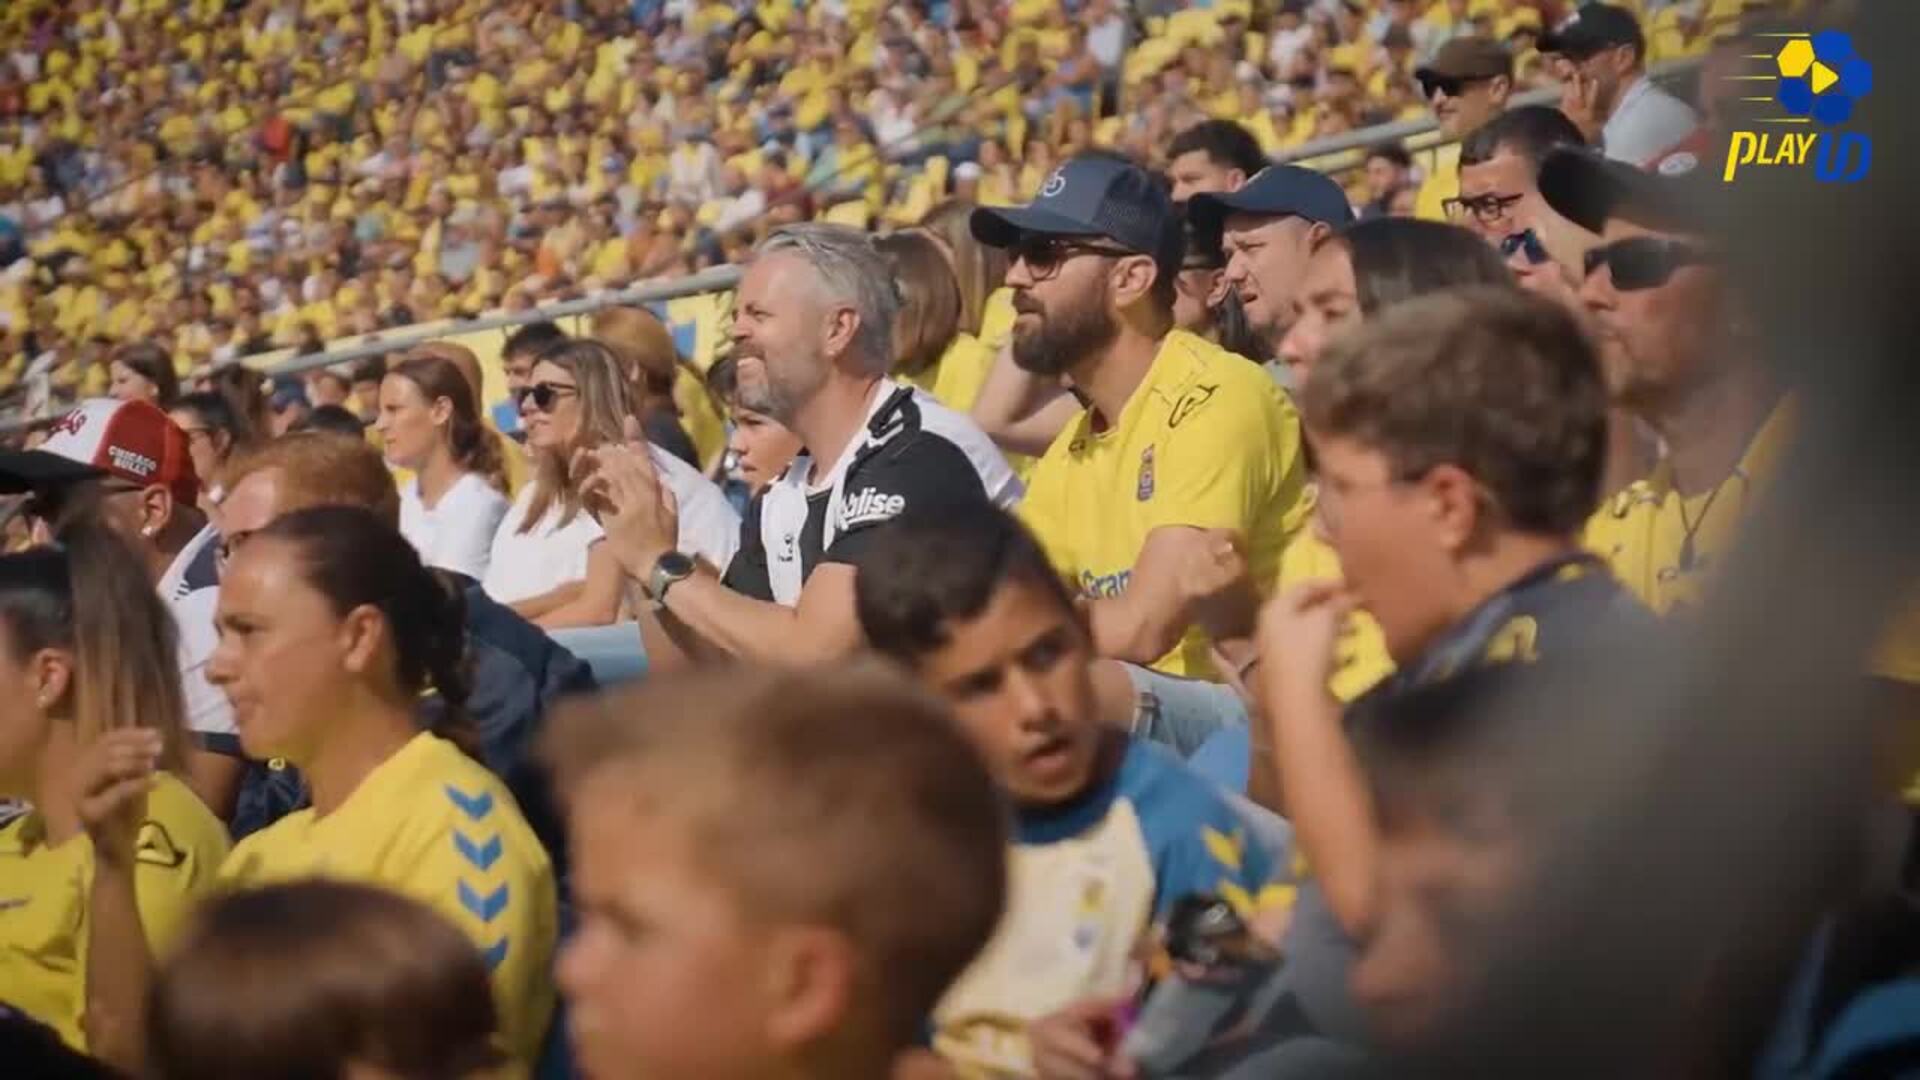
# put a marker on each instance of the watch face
(675, 564)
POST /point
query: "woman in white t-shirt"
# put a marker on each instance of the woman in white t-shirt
(429, 423)
(547, 562)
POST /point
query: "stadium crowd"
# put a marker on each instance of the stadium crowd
(1070, 631)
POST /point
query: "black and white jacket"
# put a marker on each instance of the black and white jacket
(915, 456)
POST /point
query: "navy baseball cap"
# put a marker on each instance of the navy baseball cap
(1092, 195)
(1277, 191)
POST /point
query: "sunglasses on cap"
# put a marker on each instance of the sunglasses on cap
(1045, 254)
(1524, 241)
(543, 395)
(1450, 85)
(1643, 262)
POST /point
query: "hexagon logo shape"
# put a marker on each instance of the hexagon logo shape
(1822, 77)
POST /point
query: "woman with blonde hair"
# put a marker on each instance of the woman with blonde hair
(88, 676)
(547, 561)
(675, 411)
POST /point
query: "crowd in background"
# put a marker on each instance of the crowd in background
(223, 178)
(1102, 611)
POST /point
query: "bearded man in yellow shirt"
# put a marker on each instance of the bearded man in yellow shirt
(1184, 468)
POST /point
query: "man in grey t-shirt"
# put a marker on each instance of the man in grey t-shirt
(1600, 57)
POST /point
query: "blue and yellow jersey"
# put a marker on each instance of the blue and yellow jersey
(1206, 440)
(44, 896)
(1086, 882)
(434, 824)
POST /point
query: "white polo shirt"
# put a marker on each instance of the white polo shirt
(192, 602)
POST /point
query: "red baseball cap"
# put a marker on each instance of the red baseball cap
(126, 440)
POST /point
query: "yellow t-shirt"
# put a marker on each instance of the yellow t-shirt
(996, 318)
(1360, 656)
(956, 378)
(434, 824)
(44, 895)
(1442, 183)
(1206, 440)
(1663, 546)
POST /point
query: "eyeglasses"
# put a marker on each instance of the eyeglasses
(543, 395)
(1524, 241)
(1644, 262)
(1450, 85)
(1045, 254)
(1486, 209)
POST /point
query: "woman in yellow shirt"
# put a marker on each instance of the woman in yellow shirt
(87, 657)
(331, 632)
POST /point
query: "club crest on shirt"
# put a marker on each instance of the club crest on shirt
(1143, 488)
(870, 505)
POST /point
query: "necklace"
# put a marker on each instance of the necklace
(1691, 529)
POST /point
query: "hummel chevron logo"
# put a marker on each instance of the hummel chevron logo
(495, 954)
(474, 806)
(480, 855)
(485, 908)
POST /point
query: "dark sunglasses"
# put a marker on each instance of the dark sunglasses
(1643, 262)
(1044, 254)
(1524, 241)
(543, 395)
(1450, 85)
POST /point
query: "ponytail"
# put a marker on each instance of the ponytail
(356, 560)
(449, 665)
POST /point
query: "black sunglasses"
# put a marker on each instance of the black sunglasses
(543, 394)
(1524, 241)
(1450, 85)
(1643, 262)
(1044, 254)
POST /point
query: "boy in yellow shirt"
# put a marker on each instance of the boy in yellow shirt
(828, 837)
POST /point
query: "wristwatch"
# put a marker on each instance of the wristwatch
(674, 566)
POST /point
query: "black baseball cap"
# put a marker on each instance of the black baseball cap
(1593, 28)
(1673, 194)
(1092, 195)
(1277, 191)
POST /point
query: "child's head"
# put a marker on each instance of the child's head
(970, 604)
(1460, 801)
(1445, 429)
(762, 447)
(323, 979)
(776, 871)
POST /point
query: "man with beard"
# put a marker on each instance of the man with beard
(1600, 58)
(1269, 229)
(812, 343)
(1183, 470)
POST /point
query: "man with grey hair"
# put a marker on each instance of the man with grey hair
(812, 343)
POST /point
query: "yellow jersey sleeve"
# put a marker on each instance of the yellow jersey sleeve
(1360, 655)
(486, 872)
(177, 857)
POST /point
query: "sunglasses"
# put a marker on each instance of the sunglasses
(1643, 262)
(543, 395)
(1045, 254)
(1450, 85)
(61, 505)
(1524, 241)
